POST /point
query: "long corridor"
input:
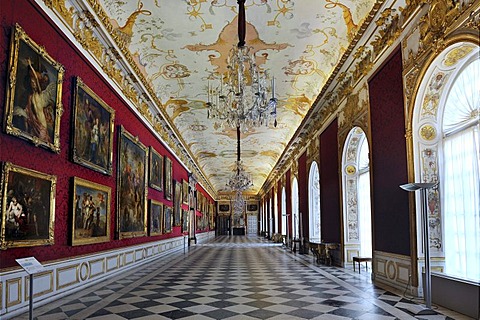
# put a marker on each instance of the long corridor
(236, 277)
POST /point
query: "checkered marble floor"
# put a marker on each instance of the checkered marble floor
(233, 278)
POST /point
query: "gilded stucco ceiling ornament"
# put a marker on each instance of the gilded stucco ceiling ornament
(410, 80)
(390, 29)
(350, 111)
(428, 132)
(59, 6)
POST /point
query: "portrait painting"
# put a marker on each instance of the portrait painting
(184, 192)
(131, 186)
(168, 179)
(34, 90)
(177, 204)
(28, 207)
(93, 126)
(184, 220)
(156, 170)
(224, 207)
(168, 218)
(91, 212)
(156, 218)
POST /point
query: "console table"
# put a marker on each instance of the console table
(322, 252)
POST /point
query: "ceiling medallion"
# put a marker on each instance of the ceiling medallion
(244, 96)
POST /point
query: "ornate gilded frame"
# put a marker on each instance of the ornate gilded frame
(168, 179)
(177, 203)
(91, 214)
(88, 108)
(32, 222)
(30, 68)
(168, 219)
(131, 186)
(184, 220)
(184, 192)
(155, 177)
(155, 225)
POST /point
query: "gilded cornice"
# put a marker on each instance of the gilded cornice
(355, 114)
(84, 25)
(341, 83)
(437, 28)
(439, 21)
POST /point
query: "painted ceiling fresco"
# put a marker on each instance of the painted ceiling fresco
(180, 44)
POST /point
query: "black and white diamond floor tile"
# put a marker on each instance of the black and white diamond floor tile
(235, 278)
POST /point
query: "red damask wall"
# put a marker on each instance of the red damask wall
(25, 154)
(329, 185)
(389, 160)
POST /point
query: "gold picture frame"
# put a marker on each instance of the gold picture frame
(168, 219)
(93, 129)
(131, 186)
(168, 179)
(185, 220)
(91, 214)
(34, 93)
(177, 204)
(156, 218)
(28, 207)
(155, 177)
(184, 192)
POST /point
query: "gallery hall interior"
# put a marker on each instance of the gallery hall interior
(240, 159)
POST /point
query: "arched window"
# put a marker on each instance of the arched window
(284, 212)
(314, 203)
(356, 195)
(446, 125)
(295, 217)
(460, 177)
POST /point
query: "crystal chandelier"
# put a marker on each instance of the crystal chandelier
(240, 179)
(244, 96)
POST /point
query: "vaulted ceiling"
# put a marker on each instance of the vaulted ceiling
(178, 45)
(161, 53)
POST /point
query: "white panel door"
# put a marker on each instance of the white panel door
(252, 222)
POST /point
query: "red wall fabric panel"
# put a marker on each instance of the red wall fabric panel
(25, 154)
(329, 185)
(303, 192)
(389, 159)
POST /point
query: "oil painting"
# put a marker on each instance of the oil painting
(28, 207)
(184, 220)
(168, 219)
(93, 125)
(91, 212)
(34, 90)
(156, 170)
(184, 192)
(177, 204)
(156, 218)
(168, 179)
(131, 186)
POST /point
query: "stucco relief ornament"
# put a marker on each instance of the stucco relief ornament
(436, 15)
(428, 132)
(350, 170)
